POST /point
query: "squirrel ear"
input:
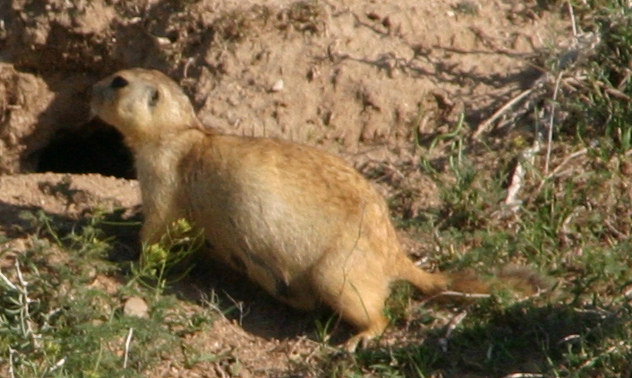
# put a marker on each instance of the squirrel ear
(154, 96)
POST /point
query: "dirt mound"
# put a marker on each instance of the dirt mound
(357, 78)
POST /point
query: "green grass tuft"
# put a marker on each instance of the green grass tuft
(57, 318)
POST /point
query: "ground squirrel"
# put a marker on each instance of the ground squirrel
(298, 221)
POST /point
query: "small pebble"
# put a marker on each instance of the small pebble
(136, 306)
(278, 86)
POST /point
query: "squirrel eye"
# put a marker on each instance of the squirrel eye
(119, 82)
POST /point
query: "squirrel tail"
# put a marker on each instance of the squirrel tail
(522, 281)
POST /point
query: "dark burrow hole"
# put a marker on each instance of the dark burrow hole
(94, 147)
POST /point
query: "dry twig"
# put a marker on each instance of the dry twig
(458, 319)
(128, 341)
(483, 126)
(550, 125)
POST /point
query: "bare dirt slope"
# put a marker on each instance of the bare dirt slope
(363, 79)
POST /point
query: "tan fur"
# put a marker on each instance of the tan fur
(301, 223)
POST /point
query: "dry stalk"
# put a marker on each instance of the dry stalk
(517, 179)
(12, 353)
(450, 293)
(57, 365)
(550, 125)
(23, 302)
(483, 126)
(128, 342)
(582, 45)
(558, 170)
(456, 320)
(591, 361)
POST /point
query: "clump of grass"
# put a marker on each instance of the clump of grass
(600, 105)
(237, 25)
(56, 320)
(466, 7)
(303, 16)
(172, 254)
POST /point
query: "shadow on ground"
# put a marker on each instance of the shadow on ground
(523, 340)
(237, 298)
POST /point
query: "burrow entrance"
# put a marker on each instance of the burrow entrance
(94, 147)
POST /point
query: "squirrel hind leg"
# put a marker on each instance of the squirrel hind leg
(357, 296)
